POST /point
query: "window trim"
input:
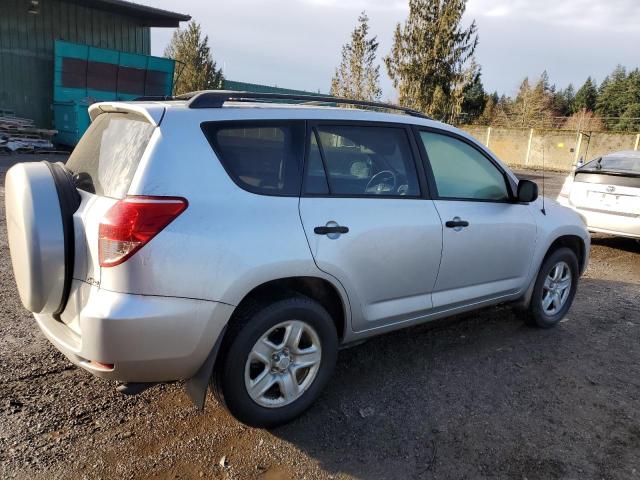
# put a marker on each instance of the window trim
(417, 129)
(423, 185)
(257, 124)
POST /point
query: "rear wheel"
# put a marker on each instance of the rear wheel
(278, 359)
(554, 290)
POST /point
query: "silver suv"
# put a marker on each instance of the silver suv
(240, 239)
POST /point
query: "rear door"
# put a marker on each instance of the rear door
(103, 165)
(369, 221)
(488, 240)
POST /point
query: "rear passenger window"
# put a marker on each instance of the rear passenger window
(362, 161)
(262, 158)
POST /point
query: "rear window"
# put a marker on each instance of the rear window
(108, 154)
(616, 164)
(261, 157)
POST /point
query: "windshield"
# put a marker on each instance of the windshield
(108, 154)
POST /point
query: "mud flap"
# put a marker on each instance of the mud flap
(196, 386)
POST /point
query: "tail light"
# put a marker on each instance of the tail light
(131, 223)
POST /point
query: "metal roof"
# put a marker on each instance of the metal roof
(148, 16)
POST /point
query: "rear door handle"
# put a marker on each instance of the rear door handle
(328, 230)
(457, 222)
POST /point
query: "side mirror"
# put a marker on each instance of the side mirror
(527, 191)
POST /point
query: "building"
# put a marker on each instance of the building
(255, 87)
(29, 28)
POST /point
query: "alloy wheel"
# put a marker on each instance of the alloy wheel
(283, 364)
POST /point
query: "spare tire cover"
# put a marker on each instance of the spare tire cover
(36, 229)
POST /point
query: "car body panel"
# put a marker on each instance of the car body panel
(388, 261)
(484, 260)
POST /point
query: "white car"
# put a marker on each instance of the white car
(223, 237)
(606, 192)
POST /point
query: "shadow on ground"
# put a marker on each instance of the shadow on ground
(487, 396)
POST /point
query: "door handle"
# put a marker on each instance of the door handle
(457, 222)
(332, 229)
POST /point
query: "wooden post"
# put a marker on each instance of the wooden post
(637, 142)
(526, 160)
(486, 144)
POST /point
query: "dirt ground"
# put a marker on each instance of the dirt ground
(479, 396)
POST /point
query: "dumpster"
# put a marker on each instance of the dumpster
(84, 75)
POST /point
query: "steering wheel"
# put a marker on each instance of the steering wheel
(384, 178)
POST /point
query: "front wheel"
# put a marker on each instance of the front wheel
(554, 290)
(279, 359)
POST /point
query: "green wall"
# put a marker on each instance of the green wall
(26, 48)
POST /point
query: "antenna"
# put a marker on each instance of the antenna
(544, 211)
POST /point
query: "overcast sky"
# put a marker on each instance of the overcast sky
(296, 43)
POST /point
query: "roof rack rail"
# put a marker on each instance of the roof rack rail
(217, 98)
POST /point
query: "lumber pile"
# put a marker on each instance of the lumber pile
(19, 134)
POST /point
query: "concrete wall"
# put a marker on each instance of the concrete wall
(558, 149)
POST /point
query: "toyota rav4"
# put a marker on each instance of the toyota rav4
(240, 239)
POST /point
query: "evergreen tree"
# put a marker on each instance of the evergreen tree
(196, 69)
(562, 101)
(474, 100)
(430, 63)
(613, 97)
(630, 120)
(358, 76)
(586, 97)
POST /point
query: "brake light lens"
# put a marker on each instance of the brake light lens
(131, 223)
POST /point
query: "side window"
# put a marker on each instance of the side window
(262, 158)
(363, 160)
(316, 179)
(460, 171)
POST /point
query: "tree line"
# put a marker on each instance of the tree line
(613, 105)
(433, 69)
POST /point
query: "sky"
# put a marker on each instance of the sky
(296, 43)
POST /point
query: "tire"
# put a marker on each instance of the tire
(546, 317)
(40, 200)
(241, 367)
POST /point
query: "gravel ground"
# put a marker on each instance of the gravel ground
(477, 396)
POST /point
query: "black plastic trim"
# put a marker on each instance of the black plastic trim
(69, 200)
(608, 178)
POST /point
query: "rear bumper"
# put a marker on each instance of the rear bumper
(146, 338)
(605, 222)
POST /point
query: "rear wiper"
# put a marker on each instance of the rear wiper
(599, 164)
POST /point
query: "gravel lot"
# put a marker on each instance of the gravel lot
(477, 396)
